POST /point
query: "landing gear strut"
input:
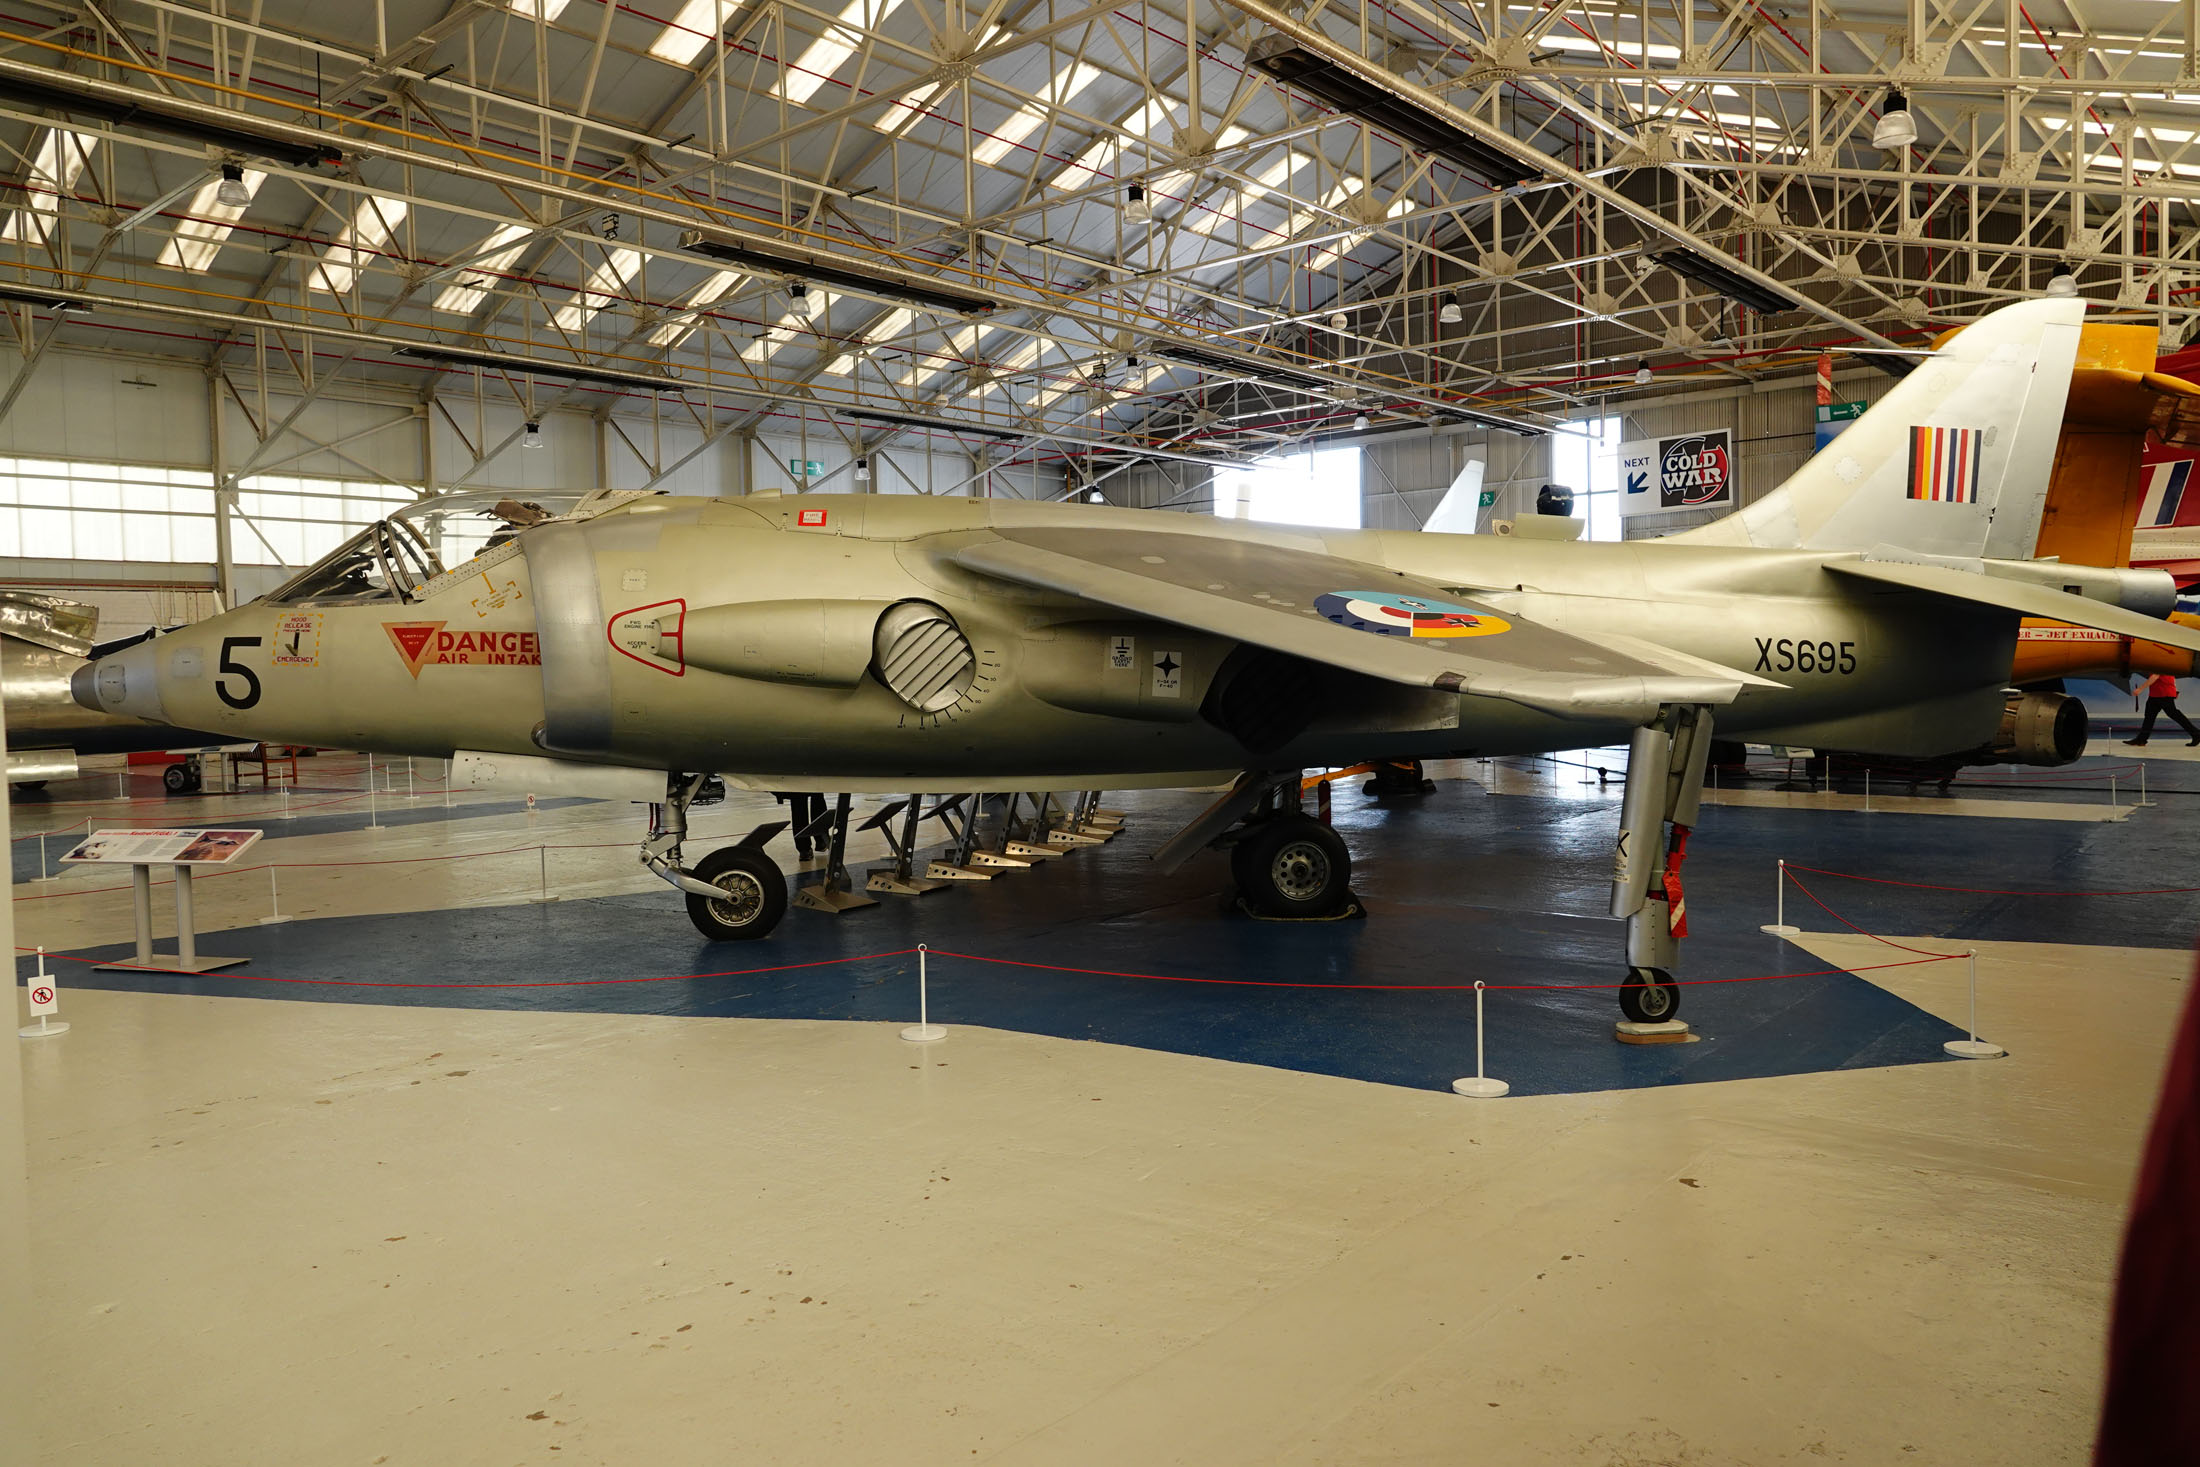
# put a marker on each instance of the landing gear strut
(1665, 770)
(733, 894)
(1287, 863)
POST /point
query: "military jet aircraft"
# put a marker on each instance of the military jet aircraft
(641, 643)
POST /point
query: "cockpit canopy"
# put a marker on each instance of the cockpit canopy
(392, 559)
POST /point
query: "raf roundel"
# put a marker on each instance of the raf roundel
(1406, 616)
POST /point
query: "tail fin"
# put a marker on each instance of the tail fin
(1954, 460)
(1462, 511)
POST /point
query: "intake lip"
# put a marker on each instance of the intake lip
(83, 686)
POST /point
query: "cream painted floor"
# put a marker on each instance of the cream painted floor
(289, 1233)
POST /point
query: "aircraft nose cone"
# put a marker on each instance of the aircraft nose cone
(120, 682)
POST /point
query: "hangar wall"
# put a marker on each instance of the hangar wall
(112, 456)
(1404, 475)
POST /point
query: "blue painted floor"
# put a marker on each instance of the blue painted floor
(1460, 886)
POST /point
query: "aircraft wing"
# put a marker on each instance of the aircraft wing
(2021, 596)
(1353, 615)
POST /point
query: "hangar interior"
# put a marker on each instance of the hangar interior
(484, 1155)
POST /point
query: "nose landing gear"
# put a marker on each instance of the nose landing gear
(1665, 770)
(733, 894)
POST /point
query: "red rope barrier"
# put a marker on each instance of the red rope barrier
(1990, 890)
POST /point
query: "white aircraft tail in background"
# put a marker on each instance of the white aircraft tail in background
(1461, 511)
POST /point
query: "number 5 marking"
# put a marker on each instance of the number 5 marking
(229, 665)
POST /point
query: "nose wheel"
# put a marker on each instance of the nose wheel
(755, 895)
(1649, 996)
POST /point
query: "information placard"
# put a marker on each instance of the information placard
(162, 847)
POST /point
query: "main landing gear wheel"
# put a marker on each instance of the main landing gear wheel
(1292, 866)
(1650, 996)
(180, 779)
(755, 899)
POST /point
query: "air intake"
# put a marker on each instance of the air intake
(923, 657)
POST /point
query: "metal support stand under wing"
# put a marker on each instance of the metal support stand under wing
(836, 893)
(1665, 773)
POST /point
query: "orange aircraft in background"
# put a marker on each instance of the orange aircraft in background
(2129, 437)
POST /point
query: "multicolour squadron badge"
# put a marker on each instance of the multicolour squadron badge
(1406, 616)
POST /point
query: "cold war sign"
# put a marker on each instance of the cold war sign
(1687, 471)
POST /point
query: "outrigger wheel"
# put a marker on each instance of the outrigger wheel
(755, 899)
(1649, 996)
(1292, 866)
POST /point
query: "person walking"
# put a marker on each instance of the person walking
(2161, 698)
(804, 809)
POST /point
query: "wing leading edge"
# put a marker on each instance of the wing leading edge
(1353, 615)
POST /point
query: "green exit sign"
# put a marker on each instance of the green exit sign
(805, 468)
(1489, 499)
(1842, 412)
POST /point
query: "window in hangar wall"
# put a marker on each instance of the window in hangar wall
(1585, 458)
(1320, 487)
(58, 509)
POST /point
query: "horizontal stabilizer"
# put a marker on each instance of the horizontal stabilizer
(1350, 614)
(2020, 597)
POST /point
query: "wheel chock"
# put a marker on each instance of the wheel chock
(1671, 1031)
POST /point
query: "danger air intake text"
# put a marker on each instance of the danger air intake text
(427, 644)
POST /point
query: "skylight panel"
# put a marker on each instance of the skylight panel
(198, 239)
(702, 298)
(698, 23)
(55, 168)
(600, 291)
(784, 328)
(961, 344)
(816, 65)
(464, 293)
(885, 328)
(542, 10)
(1086, 170)
(1258, 187)
(372, 226)
(1032, 116)
(914, 103)
(1352, 240)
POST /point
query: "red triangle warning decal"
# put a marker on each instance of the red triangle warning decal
(412, 639)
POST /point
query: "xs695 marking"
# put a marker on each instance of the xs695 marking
(1789, 655)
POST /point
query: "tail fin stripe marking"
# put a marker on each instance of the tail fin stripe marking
(1944, 465)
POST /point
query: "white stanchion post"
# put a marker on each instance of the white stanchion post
(45, 996)
(274, 902)
(446, 784)
(924, 1031)
(411, 793)
(1867, 789)
(374, 821)
(1778, 927)
(1479, 1085)
(286, 802)
(2112, 791)
(542, 854)
(45, 872)
(2144, 803)
(122, 780)
(1973, 1047)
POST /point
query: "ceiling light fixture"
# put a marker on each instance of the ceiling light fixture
(2062, 282)
(1721, 280)
(1360, 423)
(1449, 313)
(911, 420)
(533, 438)
(1136, 206)
(1897, 129)
(232, 190)
(1338, 321)
(1364, 97)
(799, 302)
(863, 471)
(870, 280)
(1228, 365)
(1643, 376)
(40, 298)
(143, 110)
(451, 356)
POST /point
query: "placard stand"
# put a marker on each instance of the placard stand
(186, 958)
